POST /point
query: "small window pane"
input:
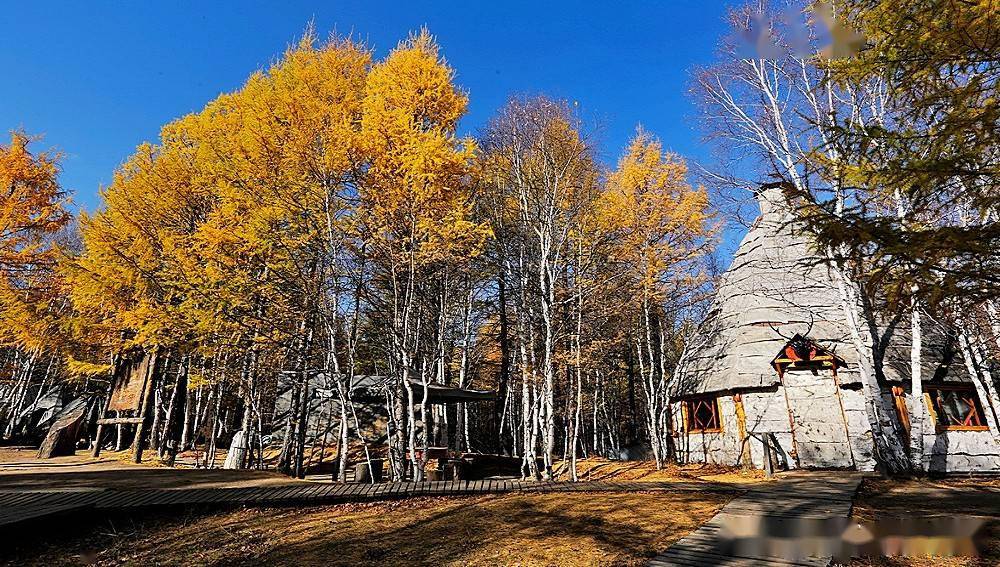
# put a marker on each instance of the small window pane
(956, 406)
(702, 414)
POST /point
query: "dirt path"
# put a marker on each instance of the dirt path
(21, 470)
(928, 499)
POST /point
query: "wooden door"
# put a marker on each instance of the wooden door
(817, 419)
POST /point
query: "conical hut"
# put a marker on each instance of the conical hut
(774, 370)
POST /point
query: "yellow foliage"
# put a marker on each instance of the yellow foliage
(221, 231)
(32, 205)
(414, 200)
(32, 213)
(661, 223)
(80, 368)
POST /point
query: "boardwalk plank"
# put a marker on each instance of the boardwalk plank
(239, 495)
(252, 496)
(704, 546)
(712, 558)
(222, 495)
(172, 497)
(325, 492)
(133, 498)
(719, 548)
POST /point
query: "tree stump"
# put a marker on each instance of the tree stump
(368, 475)
(236, 457)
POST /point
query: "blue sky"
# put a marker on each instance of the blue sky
(98, 78)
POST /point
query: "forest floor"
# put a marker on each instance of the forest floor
(881, 499)
(594, 528)
(510, 529)
(603, 469)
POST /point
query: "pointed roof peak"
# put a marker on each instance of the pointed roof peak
(774, 198)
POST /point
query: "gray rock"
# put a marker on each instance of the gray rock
(65, 430)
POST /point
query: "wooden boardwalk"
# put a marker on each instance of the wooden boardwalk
(32, 493)
(17, 506)
(799, 500)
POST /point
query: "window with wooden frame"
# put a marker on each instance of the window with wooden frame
(701, 415)
(955, 407)
(902, 411)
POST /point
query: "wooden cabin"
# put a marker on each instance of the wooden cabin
(774, 361)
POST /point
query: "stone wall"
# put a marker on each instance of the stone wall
(960, 451)
(957, 451)
(719, 448)
(767, 413)
(860, 432)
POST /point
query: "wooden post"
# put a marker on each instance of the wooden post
(768, 459)
(97, 441)
(843, 412)
(100, 426)
(741, 424)
(902, 412)
(147, 391)
(115, 376)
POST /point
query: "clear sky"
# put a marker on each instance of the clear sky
(97, 78)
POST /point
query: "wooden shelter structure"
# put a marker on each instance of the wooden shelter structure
(131, 395)
(368, 394)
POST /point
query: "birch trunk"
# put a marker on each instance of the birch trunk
(916, 390)
(889, 451)
(503, 395)
(982, 378)
(424, 416)
(19, 394)
(418, 473)
(172, 405)
(462, 419)
(154, 430)
(548, 368)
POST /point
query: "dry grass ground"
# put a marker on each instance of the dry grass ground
(932, 498)
(515, 529)
(602, 469)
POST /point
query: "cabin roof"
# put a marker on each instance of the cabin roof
(436, 393)
(776, 287)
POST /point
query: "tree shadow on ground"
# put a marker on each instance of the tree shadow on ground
(525, 529)
(513, 529)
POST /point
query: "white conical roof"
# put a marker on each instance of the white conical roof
(776, 286)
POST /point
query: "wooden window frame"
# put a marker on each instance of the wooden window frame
(902, 411)
(688, 407)
(977, 406)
